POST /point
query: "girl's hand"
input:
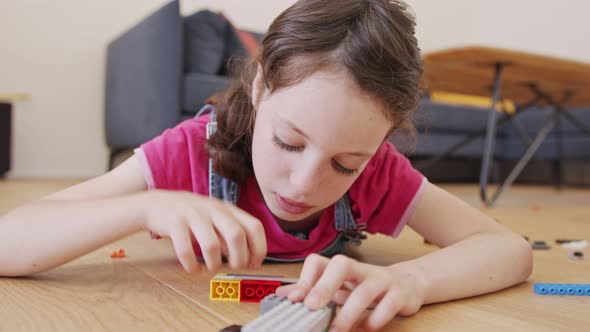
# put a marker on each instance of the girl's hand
(215, 226)
(357, 286)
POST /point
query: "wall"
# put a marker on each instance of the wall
(55, 51)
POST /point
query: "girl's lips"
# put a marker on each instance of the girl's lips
(291, 206)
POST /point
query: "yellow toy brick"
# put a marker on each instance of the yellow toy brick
(224, 290)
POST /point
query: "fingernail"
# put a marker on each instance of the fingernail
(296, 295)
(312, 301)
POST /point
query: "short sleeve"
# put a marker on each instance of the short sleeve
(386, 193)
(177, 159)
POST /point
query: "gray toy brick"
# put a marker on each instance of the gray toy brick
(279, 314)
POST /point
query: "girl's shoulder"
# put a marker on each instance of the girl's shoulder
(177, 159)
(382, 195)
(196, 125)
(387, 161)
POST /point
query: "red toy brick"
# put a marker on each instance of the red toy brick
(256, 290)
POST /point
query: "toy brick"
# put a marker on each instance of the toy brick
(287, 316)
(256, 290)
(562, 289)
(270, 302)
(224, 290)
(231, 276)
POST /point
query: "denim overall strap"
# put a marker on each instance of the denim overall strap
(344, 216)
(219, 186)
(350, 231)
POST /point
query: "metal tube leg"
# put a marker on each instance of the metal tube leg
(576, 122)
(490, 137)
(558, 163)
(528, 154)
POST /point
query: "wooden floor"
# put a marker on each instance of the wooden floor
(149, 291)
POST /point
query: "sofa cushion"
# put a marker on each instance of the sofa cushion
(434, 144)
(240, 45)
(205, 38)
(450, 119)
(532, 120)
(574, 142)
(212, 43)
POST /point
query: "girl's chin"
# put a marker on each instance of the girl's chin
(278, 212)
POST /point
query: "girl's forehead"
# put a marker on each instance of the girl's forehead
(328, 107)
(326, 95)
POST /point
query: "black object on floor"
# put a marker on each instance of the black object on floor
(232, 328)
(576, 255)
(540, 245)
(561, 241)
(5, 133)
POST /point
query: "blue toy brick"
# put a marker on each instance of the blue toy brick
(562, 289)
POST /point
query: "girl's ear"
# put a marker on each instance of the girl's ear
(258, 87)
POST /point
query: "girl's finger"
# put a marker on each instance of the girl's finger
(339, 269)
(234, 236)
(184, 248)
(341, 296)
(285, 290)
(356, 304)
(384, 311)
(313, 267)
(255, 236)
(207, 239)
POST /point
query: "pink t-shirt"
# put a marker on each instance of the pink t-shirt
(383, 197)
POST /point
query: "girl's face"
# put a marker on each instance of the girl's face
(311, 141)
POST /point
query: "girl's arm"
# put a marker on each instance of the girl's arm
(478, 255)
(61, 227)
(65, 225)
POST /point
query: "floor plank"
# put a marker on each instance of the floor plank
(148, 290)
(98, 293)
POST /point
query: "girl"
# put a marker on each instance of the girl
(292, 161)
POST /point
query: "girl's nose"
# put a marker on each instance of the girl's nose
(307, 178)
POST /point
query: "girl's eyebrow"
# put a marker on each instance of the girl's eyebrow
(302, 133)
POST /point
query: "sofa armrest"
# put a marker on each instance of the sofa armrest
(143, 77)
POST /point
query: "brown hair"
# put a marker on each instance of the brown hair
(372, 39)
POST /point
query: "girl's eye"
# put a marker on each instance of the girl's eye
(285, 146)
(282, 145)
(344, 170)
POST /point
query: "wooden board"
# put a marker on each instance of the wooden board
(148, 290)
(470, 70)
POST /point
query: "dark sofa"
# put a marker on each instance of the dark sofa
(163, 69)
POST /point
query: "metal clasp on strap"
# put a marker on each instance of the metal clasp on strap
(211, 128)
(355, 237)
